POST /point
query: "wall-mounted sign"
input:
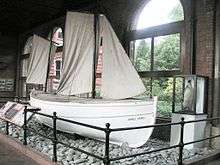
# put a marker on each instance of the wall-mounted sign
(14, 112)
(6, 85)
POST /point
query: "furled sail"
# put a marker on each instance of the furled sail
(119, 78)
(38, 64)
(78, 55)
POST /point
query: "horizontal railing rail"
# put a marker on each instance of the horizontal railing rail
(107, 130)
(197, 141)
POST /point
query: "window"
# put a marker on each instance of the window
(158, 12)
(56, 59)
(58, 36)
(142, 56)
(155, 49)
(24, 65)
(167, 52)
(58, 69)
(25, 88)
(157, 53)
(25, 56)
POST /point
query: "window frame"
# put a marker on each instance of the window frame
(24, 56)
(58, 70)
(152, 32)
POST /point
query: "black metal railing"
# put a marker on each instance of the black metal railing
(107, 130)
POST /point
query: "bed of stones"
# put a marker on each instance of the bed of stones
(69, 156)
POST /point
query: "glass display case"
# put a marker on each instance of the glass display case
(190, 94)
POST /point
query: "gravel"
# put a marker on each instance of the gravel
(68, 156)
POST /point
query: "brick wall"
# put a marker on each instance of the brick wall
(205, 13)
(216, 94)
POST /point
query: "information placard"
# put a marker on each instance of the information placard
(6, 85)
(14, 113)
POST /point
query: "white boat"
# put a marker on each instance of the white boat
(120, 114)
(120, 85)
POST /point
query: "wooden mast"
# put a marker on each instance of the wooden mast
(48, 67)
(96, 48)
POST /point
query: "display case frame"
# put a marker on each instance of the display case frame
(197, 95)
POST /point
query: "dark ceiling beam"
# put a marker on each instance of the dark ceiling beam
(62, 13)
(24, 19)
(80, 5)
(43, 21)
(23, 15)
(31, 3)
(9, 29)
(23, 10)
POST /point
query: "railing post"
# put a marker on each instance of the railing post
(107, 134)
(7, 128)
(55, 137)
(25, 126)
(181, 144)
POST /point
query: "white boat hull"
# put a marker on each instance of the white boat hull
(119, 115)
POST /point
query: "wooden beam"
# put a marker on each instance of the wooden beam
(170, 28)
(159, 73)
(96, 48)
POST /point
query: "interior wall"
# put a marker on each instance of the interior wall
(8, 56)
(216, 100)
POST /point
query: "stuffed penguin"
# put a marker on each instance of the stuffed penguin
(188, 98)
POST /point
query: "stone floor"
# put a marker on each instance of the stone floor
(214, 162)
(10, 156)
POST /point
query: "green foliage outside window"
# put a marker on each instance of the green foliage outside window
(167, 52)
(166, 56)
(163, 88)
(143, 54)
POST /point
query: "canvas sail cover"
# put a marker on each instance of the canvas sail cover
(77, 71)
(38, 64)
(119, 78)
